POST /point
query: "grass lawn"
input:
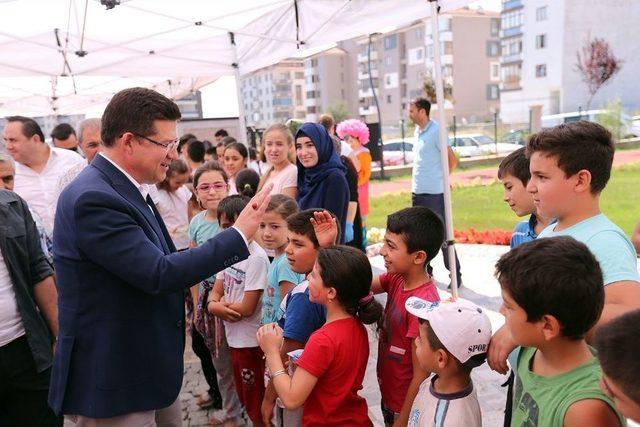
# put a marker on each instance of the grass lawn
(482, 208)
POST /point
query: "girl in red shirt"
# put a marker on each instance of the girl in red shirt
(331, 369)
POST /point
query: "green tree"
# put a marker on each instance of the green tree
(338, 111)
(429, 88)
(613, 119)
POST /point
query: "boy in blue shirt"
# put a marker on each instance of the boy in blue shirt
(514, 175)
(570, 165)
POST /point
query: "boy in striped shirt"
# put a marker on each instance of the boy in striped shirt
(514, 174)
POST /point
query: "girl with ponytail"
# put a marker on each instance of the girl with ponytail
(332, 366)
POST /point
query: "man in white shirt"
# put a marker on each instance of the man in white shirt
(90, 144)
(38, 166)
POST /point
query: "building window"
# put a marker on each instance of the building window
(493, 92)
(541, 70)
(511, 47)
(389, 99)
(391, 42)
(446, 48)
(444, 23)
(541, 41)
(541, 13)
(388, 60)
(493, 48)
(494, 71)
(416, 55)
(419, 33)
(511, 19)
(495, 27)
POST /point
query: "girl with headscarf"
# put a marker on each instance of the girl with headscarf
(321, 174)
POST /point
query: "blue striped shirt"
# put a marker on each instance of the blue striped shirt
(524, 232)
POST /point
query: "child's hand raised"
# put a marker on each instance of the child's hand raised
(270, 338)
(325, 227)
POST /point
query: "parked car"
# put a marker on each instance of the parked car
(473, 145)
(634, 127)
(516, 136)
(394, 154)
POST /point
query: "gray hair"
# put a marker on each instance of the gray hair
(88, 124)
(6, 158)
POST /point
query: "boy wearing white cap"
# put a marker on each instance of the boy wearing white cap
(454, 336)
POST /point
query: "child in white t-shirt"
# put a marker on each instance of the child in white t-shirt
(171, 197)
(454, 337)
(236, 299)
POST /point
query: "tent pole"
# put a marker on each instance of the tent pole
(242, 122)
(444, 154)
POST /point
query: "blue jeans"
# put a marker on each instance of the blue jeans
(435, 202)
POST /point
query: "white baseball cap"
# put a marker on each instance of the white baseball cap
(461, 326)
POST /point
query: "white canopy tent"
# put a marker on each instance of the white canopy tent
(64, 56)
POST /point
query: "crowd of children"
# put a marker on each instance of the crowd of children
(283, 334)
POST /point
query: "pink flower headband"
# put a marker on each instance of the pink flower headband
(355, 128)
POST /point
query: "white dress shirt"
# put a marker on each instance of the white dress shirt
(40, 190)
(144, 190)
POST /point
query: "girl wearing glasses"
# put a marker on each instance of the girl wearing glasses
(210, 184)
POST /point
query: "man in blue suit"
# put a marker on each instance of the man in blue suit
(119, 355)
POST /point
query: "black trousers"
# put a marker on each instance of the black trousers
(24, 390)
(209, 372)
(435, 202)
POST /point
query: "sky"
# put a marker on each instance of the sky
(219, 99)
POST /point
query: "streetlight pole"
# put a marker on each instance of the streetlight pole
(375, 99)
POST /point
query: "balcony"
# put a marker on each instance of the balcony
(511, 82)
(367, 93)
(510, 59)
(364, 75)
(511, 32)
(362, 57)
(510, 5)
(366, 111)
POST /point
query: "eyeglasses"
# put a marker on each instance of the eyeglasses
(169, 146)
(207, 187)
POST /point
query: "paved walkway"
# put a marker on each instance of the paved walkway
(480, 176)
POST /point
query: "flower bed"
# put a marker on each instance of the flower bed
(487, 237)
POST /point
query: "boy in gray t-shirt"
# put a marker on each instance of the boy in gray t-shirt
(454, 336)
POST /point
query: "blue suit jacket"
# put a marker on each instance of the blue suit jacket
(121, 297)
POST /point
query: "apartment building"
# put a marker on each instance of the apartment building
(274, 94)
(470, 53)
(331, 81)
(540, 40)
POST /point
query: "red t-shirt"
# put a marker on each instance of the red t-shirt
(395, 367)
(337, 355)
